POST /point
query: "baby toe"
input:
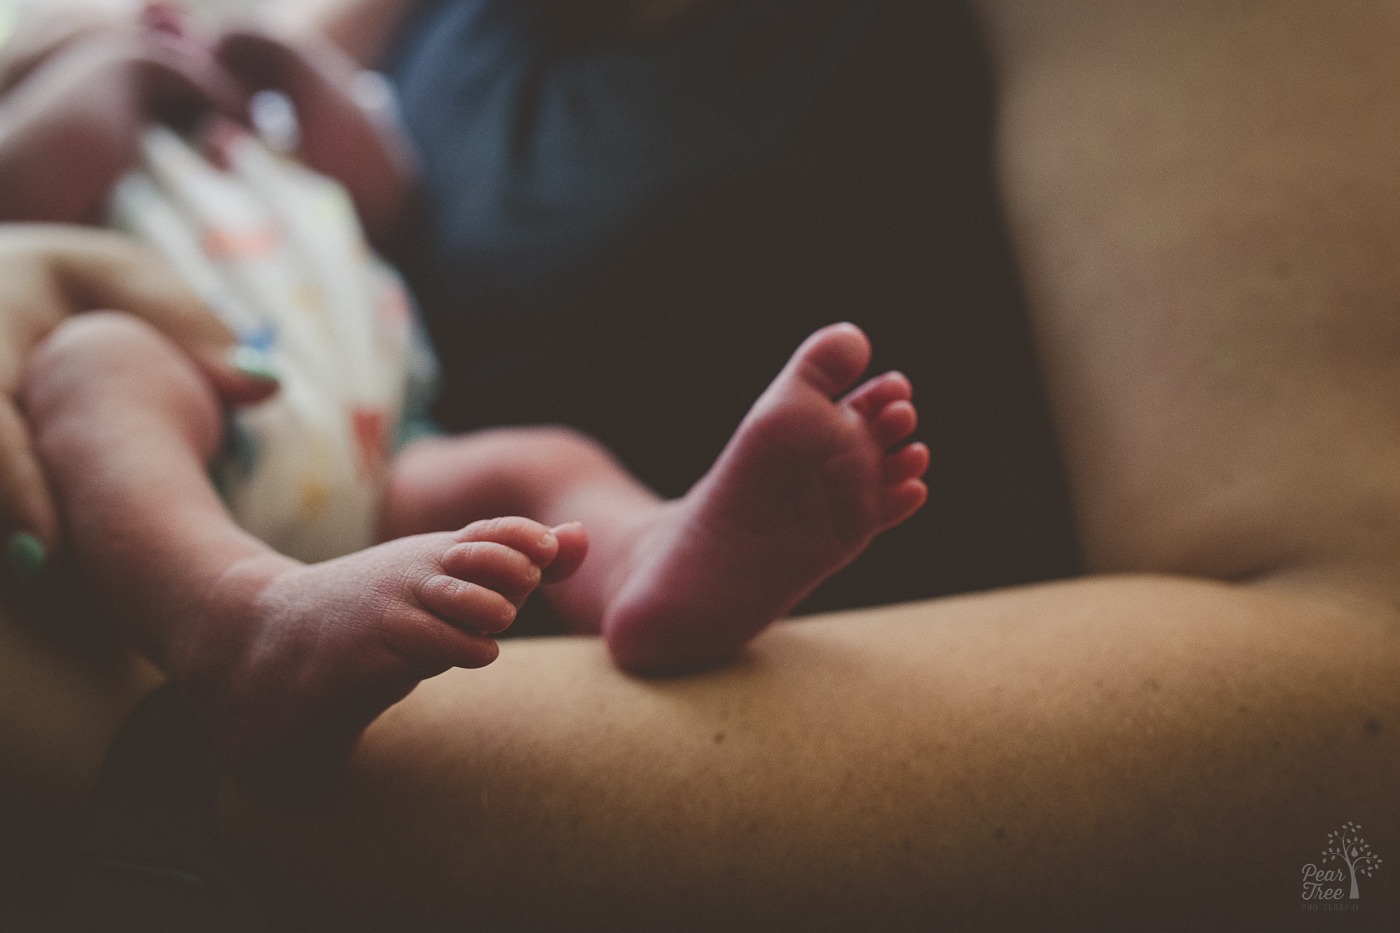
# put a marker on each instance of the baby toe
(430, 646)
(494, 566)
(467, 605)
(870, 397)
(909, 462)
(903, 500)
(894, 423)
(573, 548)
(536, 541)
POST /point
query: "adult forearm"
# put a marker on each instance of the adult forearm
(1099, 752)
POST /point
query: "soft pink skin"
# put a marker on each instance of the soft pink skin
(808, 480)
(323, 649)
(276, 654)
(814, 472)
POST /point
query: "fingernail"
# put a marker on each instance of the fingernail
(253, 363)
(26, 554)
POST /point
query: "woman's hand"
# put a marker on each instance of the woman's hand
(50, 272)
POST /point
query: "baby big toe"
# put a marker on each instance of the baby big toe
(832, 359)
(573, 548)
(536, 541)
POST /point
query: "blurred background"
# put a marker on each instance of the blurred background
(876, 204)
(8, 8)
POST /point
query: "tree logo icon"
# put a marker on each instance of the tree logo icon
(1346, 847)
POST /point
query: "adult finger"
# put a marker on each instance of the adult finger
(97, 269)
(50, 272)
(28, 517)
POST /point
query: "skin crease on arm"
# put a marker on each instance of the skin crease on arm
(1206, 206)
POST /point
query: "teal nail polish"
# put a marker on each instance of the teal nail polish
(26, 554)
(253, 362)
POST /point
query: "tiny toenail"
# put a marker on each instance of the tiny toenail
(26, 554)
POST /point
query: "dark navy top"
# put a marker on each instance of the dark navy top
(630, 236)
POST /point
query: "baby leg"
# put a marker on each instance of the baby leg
(271, 652)
(557, 475)
(812, 475)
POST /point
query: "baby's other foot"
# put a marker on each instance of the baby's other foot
(286, 654)
(815, 471)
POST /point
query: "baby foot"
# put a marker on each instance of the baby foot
(808, 480)
(285, 653)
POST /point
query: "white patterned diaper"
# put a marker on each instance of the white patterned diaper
(277, 251)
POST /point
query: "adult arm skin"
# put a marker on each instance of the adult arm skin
(1125, 751)
(1101, 752)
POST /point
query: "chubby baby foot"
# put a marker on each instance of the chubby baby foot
(286, 654)
(816, 470)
